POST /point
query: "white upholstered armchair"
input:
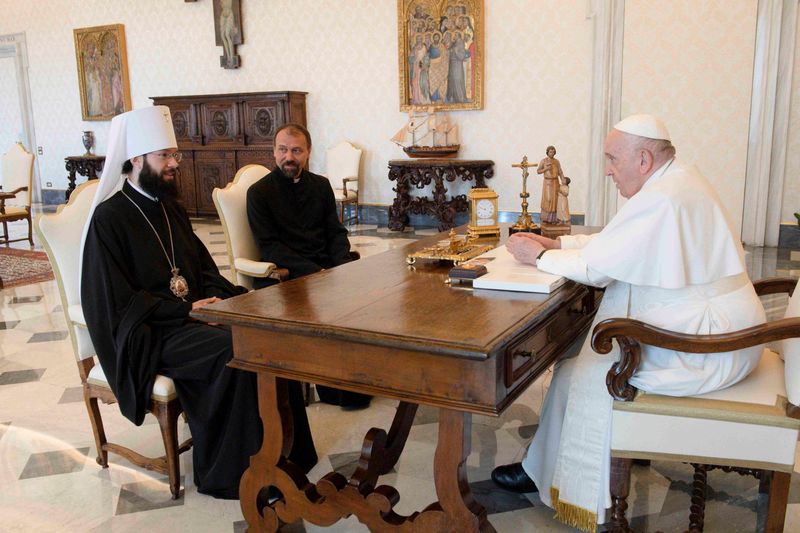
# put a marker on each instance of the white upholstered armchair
(751, 427)
(60, 234)
(16, 178)
(344, 160)
(243, 253)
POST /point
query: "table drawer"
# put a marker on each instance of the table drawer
(534, 350)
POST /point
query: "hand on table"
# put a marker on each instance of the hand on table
(526, 247)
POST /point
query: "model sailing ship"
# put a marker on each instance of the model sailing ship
(428, 134)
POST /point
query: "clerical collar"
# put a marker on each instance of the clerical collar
(141, 191)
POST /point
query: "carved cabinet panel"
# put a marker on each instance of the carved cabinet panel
(220, 133)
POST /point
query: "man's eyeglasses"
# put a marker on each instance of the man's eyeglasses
(177, 156)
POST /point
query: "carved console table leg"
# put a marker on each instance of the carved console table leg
(398, 212)
(697, 509)
(620, 486)
(462, 512)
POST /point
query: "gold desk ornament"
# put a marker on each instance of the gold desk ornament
(456, 249)
(524, 222)
(483, 218)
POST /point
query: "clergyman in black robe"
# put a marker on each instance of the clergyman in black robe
(140, 328)
(292, 213)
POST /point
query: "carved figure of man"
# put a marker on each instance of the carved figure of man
(551, 168)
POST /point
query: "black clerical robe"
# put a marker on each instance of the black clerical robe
(139, 328)
(296, 225)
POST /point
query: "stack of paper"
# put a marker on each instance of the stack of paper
(507, 274)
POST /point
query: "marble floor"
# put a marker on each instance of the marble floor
(49, 480)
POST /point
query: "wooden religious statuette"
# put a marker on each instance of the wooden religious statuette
(483, 221)
(555, 218)
(524, 222)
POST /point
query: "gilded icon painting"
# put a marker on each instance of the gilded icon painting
(102, 71)
(440, 50)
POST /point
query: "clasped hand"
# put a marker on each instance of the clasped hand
(526, 247)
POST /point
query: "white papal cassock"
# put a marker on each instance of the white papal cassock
(669, 258)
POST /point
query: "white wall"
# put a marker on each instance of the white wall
(10, 115)
(344, 53)
(791, 184)
(682, 61)
(688, 60)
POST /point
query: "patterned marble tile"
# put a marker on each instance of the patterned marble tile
(9, 324)
(15, 377)
(72, 395)
(54, 463)
(345, 463)
(25, 299)
(3, 428)
(145, 496)
(48, 336)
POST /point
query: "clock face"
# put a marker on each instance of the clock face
(484, 209)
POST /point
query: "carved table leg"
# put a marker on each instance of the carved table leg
(697, 509)
(778, 498)
(398, 434)
(71, 168)
(462, 512)
(620, 486)
(273, 406)
(398, 212)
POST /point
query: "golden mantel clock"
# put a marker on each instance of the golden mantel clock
(483, 220)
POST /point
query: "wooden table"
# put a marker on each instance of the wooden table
(383, 327)
(419, 173)
(87, 165)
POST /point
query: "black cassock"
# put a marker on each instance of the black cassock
(296, 226)
(139, 328)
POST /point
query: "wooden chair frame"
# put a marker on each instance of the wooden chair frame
(629, 335)
(166, 411)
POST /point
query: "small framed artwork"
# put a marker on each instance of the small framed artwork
(102, 71)
(440, 53)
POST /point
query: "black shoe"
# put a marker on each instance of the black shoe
(513, 477)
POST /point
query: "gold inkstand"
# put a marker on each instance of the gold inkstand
(524, 222)
(456, 249)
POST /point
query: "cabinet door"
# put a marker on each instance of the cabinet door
(187, 189)
(255, 157)
(184, 121)
(212, 169)
(220, 123)
(261, 118)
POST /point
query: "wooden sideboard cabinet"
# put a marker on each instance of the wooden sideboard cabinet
(220, 133)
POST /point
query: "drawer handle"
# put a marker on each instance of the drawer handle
(525, 353)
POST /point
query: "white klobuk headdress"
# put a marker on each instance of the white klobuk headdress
(132, 134)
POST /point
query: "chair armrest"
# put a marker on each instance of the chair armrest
(254, 269)
(631, 333)
(775, 286)
(18, 189)
(349, 179)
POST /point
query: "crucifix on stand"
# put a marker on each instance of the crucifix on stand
(524, 222)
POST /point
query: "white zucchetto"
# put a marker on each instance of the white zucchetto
(644, 126)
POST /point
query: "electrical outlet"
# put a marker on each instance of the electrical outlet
(40, 150)
(49, 184)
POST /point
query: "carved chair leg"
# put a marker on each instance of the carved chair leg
(30, 230)
(97, 429)
(697, 509)
(167, 415)
(6, 237)
(620, 487)
(778, 498)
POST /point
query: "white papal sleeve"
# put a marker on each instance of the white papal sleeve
(569, 263)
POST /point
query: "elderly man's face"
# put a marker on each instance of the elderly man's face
(623, 163)
(291, 153)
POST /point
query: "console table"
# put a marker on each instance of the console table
(460, 351)
(87, 165)
(422, 172)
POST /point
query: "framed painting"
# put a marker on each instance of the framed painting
(440, 54)
(102, 71)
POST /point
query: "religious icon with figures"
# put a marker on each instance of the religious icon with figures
(483, 220)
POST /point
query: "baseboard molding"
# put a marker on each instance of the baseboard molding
(789, 236)
(53, 196)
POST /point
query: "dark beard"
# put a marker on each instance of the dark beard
(293, 173)
(155, 184)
